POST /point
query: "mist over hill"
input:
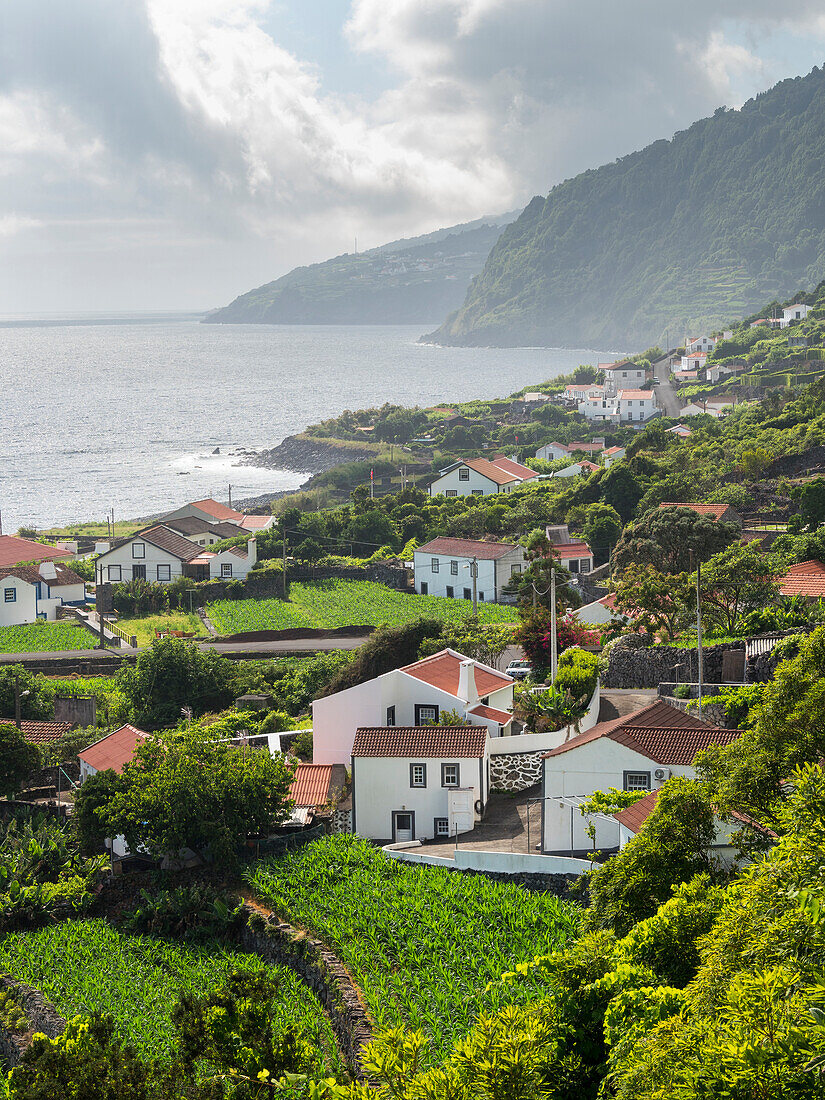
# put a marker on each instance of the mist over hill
(681, 236)
(405, 282)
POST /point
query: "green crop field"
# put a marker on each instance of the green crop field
(86, 966)
(421, 942)
(40, 637)
(346, 603)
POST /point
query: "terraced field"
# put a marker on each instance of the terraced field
(335, 603)
(86, 966)
(41, 637)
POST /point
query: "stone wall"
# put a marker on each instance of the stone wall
(648, 666)
(322, 972)
(515, 771)
(41, 1016)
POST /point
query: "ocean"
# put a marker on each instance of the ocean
(124, 413)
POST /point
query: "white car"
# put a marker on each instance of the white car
(518, 670)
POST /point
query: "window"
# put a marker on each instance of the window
(449, 775)
(138, 572)
(450, 591)
(480, 492)
(424, 588)
(584, 565)
(434, 564)
(451, 493)
(10, 595)
(467, 594)
(441, 826)
(391, 716)
(425, 713)
(481, 596)
(454, 568)
(637, 781)
(138, 550)
(164, 572)
(515, 570)
(226, 570)
(464, 473)
(418, 775)
(114, 572)
(573, 565)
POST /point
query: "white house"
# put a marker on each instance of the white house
(638, 405)
(681, 430)
(30, 592)
(700, 343)
(162, 555)
(418, 783)
(552, 452)
(625, 406)
(636, 752)
(443, 567)
(695, 409)
(794, 313)
(481, 477)
(114, 751)
(600, 612)
(574, 553)
(611, 455)
(578, 391)
(695, 360)
(410, 696)
(214, 512)
(621, 376)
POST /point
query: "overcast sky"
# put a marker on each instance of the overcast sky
(170, 154)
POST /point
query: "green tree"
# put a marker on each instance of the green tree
(811, 500)
(173, 673)
(660, 603)
(371, 529)
(601, 530)
(94, 796)
(672, 540)
(735, 581)
(622, 490)
(183, 791)
(309, 551)
(483, 642)
(18, 759)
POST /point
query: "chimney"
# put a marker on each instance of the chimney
(251, 552)
(467, 690)
(47, 571)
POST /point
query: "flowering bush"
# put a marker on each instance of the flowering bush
(535, 639)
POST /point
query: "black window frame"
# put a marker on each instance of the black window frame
(464, 473)
(168, 569)
(423, 784)
(435, 565)
(451, 493)
(139, 546)
(119, 577)
(468, 593)
(450, 592)
(226, 570)
(9, 595)
(451, 764)
(438, 821)
(425, 589)
(453, 568)
(391, 715)
(426, 706)
(139, 571)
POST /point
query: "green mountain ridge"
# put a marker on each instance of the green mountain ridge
(410, 281)
(678, 237)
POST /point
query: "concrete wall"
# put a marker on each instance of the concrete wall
(508, 863)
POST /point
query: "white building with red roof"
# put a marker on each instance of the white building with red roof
(806, 578)
(212, 511)
(162, 555)
(552, 452)
(410, 696)
(481, 477)
(14, 550)
(30, 592)
(418, 782)
(700, 343)
(635, 752)
(114, 751)
(444, 567)
(573, 552)
(623, 375)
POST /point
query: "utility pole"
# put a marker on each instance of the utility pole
(17, 697)
(284, 563)
(554, 644)
(474, 575)
(102, 642)
(230, 496)
(699, 628)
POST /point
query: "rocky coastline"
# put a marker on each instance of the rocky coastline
(303, 456)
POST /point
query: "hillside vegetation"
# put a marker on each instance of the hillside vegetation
(404, 282)
(682, 235)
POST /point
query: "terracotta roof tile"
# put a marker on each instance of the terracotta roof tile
(113, 751)
(173, 543)
(572, 550)
(316, 784)
(806, 578)
(659, 731)
(41, 733)
(31, 573)
(213, 508)
(14, 550)
(426, 742)
(511, 467)
(442, 669)
(715, 510)
(633, 817)
(467, 548)
(491, 713)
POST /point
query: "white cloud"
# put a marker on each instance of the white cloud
(12, 224)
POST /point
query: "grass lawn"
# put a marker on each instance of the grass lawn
(87, 966)
(334, 603)
(177, 620)
(421, 942)
(41, 637)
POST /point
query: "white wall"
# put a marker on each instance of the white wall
(591, 767)
(509, 863)
(153, 557)
(544, 742)
(549, 453)
(240, 566)
(465, 488)
(382, 784)
(23, 608)
(492, 575)
(336, 717)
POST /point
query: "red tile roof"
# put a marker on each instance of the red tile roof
(488, 470)
(14, 550)
(255, 523)
(806, 578)
(715, 510)
(491, 713)
(113, 751)
(315, 784)
(31, 573)
(572, 550)
(41, 733)
(467, 548)
(509, 466)
(645, 394)
(588, 448)
(213, 508)
(441, 671)
(425, 742)
(613, 450)
(633, 817)
(659, 731)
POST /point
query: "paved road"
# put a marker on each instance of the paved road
(665, 394)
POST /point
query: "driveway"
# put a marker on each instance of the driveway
(666, 397)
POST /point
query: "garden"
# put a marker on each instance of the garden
(337, 603)
(422, 943)
(45, 637)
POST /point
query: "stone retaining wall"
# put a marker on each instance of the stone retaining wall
(41, 1015)
(515, 771)
(322, 972)
(649, 666)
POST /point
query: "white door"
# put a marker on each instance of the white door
(460, 810)
(403, 826)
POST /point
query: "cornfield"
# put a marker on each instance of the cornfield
(87, 966)
(422, 942)
(335, 603)
(41, 637)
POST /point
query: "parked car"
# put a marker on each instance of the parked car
(518, 670)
